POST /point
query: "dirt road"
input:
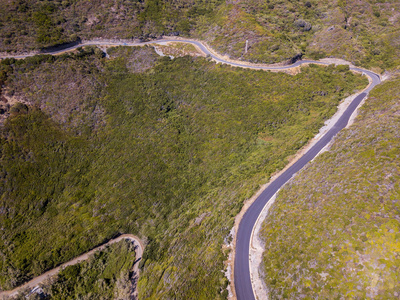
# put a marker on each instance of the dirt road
(37, 280)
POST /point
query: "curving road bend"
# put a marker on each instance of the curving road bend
(40, 279)
(242, 278)
(205, 49)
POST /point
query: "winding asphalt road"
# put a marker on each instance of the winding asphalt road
(203, 48)
(243, 285)
(242, 279)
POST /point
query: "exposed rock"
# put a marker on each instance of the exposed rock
(200, 218)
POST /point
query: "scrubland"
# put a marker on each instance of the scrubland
(96, 147)
(333, 231)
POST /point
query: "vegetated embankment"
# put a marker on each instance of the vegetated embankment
(343, 223)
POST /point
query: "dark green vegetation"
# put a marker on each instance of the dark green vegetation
(333, 232)
(169, 153)
(365, 32)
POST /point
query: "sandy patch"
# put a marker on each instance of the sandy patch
(336, 61)
(172, 49)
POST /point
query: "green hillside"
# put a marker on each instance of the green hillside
(33, 24)
(168, 151)
(364, 32)
(333, 232)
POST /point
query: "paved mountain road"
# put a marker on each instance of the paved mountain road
(242, 279)
(201, 46)
(244, 290)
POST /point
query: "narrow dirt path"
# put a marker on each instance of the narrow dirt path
(139, 247)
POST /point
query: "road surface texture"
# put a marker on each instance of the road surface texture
(37, 280)
(242, 278)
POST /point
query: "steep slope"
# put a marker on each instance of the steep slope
(169, 151)
(334, 230)
(33, 24)
(364, 32)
